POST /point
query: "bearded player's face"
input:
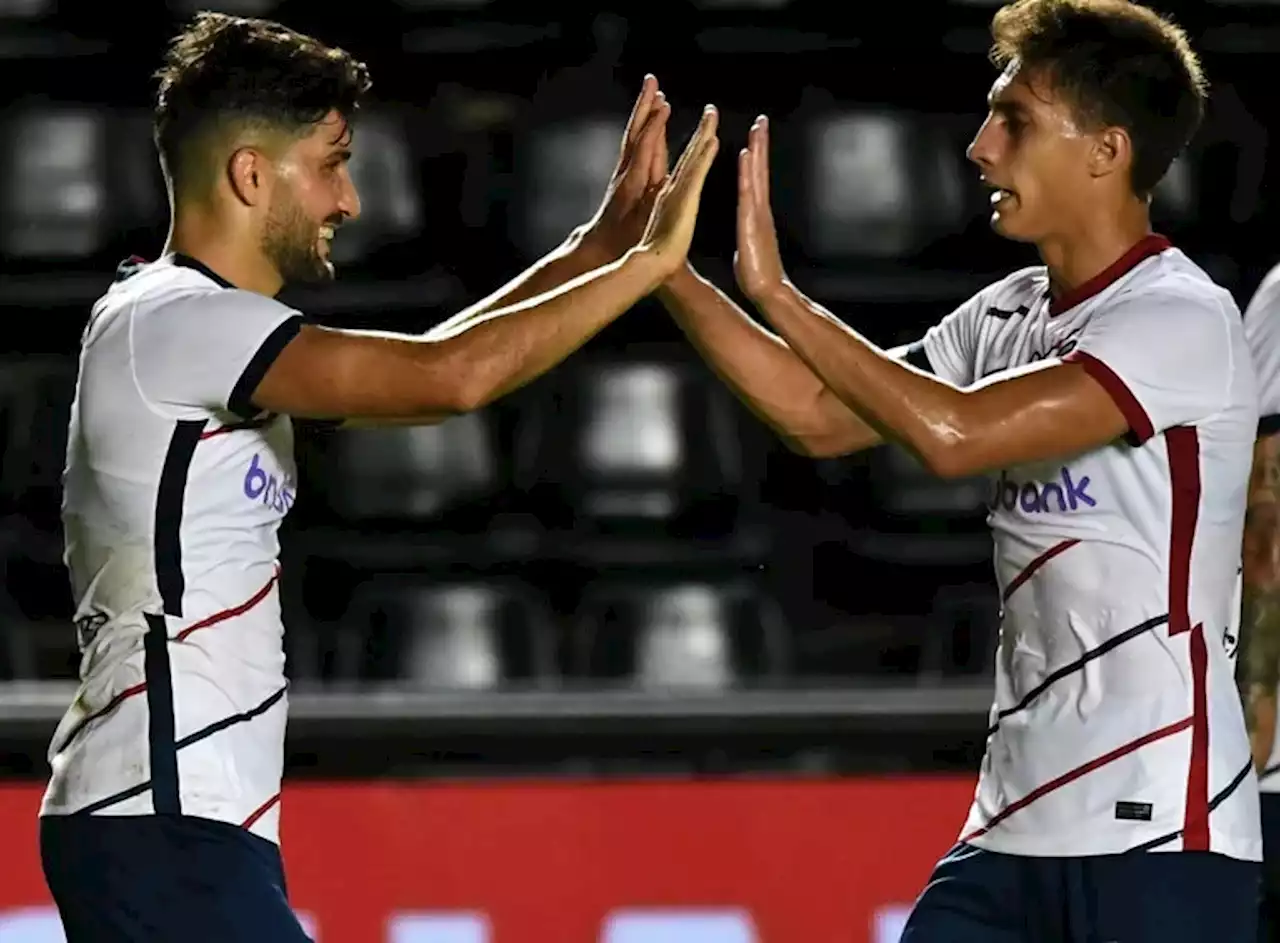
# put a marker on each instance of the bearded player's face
(313, 196)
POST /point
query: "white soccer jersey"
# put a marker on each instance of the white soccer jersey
(1116, 723)
(1262, 329)
(175, 488)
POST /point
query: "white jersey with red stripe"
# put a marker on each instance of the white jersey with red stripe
(1116, 723)
(1262, 330)
(175, 487)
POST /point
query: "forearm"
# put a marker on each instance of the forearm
(488, 356)
(762, 371)
(922, 413)
(333, 374)
(572, 259)
(1261, 610)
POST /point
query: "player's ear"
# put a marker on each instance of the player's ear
(247, 174)
(1112, 152)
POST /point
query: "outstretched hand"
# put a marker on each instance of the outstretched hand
(637, 178)
(675, 213)
(757, 262)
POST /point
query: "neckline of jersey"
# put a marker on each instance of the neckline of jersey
(186, 261)
(1149, 245)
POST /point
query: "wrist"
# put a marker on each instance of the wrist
(648, 265)
(683, 278)
(772, 293)
(592, 251)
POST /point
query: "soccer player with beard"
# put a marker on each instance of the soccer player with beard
(160, 820)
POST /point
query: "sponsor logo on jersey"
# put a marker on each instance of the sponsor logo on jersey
(1062, 495)
(263, 486)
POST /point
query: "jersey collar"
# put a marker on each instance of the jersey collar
(1147, 246)
(186, 261)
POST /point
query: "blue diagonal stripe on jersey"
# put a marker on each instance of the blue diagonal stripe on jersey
(202, 734)
(1216, 801)
(1068, 669)
(205, 732)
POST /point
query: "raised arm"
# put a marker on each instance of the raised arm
(328, 374)
(757, 365)
(1138, 370)
(762, 371)
(626, 206)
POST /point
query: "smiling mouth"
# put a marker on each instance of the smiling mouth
(999, 194)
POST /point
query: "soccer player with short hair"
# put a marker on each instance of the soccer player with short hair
(1261, 592)
(160, 821)
(1108, 394)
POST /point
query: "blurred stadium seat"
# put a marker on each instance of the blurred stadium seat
(877, 185)
(447, 635)
(35, 408)
(657, 633)
(26, 9)
(55, 187)
(411, 475)
(384, 172)
(963, 632)
(919, 518)
(644, 443)
(562, 173)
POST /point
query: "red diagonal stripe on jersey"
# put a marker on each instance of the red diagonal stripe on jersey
(260, 811)
(1072, 775)
(1195, 828)
(1029, 570)
(231, 613)
(110, 706)
(1183, 446)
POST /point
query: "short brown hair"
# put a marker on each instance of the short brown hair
(225, 69)
(1119, 64)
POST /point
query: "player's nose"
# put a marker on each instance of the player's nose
(349, 201)
(981, 149)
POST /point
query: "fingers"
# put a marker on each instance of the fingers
(661, 155)
(695, 150)
(640, 111)
(759, 145)
(652, 138)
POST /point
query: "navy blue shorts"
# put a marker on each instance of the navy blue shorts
(977, 896)
(1269, 929)
(136, 879)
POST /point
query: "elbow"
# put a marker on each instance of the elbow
(949, 459)
(819, 446)
(468, 396)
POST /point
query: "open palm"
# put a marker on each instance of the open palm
(757, 262)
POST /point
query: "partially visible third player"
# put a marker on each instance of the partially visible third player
(1261, 618)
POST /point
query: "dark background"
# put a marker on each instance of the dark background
(617, 568)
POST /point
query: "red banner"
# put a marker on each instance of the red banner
(819, 861)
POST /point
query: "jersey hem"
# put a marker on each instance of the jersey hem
(1039, 846)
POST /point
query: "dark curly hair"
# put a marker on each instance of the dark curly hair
(1119, 64)
(224, 72)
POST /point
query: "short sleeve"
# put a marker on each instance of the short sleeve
(1262, 333)
(1164, 359)
(948, 349)
(210, 350)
